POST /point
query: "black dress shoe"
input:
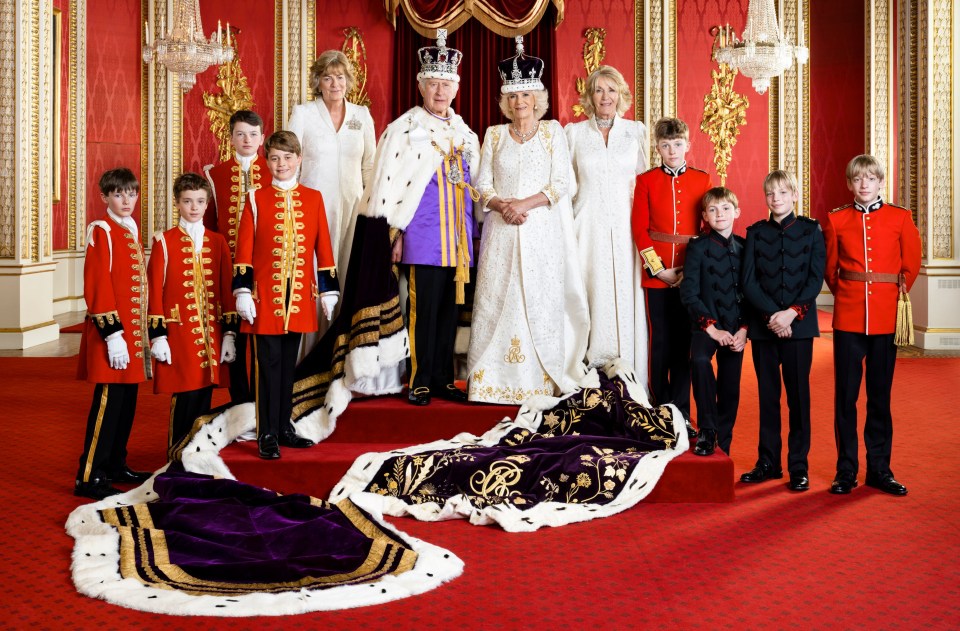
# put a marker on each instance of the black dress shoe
(268, 447)
(843, 484)
(706, 442)
(419, 396)
(95, 489)
(799, 481)
(290, 439)
(691, 430)
(126, 475)
(760, 473)
(887, 484)
(452, 393)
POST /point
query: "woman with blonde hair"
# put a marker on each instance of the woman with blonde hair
(338, 143)
(530, 313)
(608, 152)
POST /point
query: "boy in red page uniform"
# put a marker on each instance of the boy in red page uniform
(666, 215)
(873, 254)
(282, 227)
(231, 181)
(190, 296)
(111, 348)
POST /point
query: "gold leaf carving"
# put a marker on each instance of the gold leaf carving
(724, 110)
(356, 52)
(234, 95)
(593, 54)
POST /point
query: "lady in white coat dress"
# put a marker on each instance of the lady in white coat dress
(608, 152)
(339, 145)
(529, 315)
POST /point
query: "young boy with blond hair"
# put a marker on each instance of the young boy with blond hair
(873, 254)
(782, 277)
(712, 293)
(666, 216)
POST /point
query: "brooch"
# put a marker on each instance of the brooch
(354, 124)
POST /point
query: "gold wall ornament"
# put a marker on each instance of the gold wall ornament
(355, 50)
(724, 110)
(234, 95)
(593, 54)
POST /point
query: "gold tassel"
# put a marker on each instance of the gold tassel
(904, 335)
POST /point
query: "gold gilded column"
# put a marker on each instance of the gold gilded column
(655, 43)
(295, 26)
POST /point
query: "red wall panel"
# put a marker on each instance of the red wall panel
(113, 93)
(837, 126)
(61, 221)
(750, 162)
(617, 17)
(255, 20)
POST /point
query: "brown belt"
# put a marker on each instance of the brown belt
(869, 277)
(663, 237)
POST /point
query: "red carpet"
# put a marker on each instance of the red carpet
(387, 423)
(73, 328)
(769, 559)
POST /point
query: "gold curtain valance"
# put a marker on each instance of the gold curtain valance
(508, 18)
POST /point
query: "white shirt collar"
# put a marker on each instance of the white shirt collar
(195, 230)
(245, 161)
(285, 185)
(126, 222)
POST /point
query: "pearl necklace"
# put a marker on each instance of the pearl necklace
(604, 123)
(522, 136)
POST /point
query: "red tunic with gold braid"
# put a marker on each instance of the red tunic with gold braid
(280, 233)
(666, 215)
(191, 303)
(230, 187)
(115, 289)
(867, 249)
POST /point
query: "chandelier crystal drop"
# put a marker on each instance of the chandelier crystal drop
(184, 51)
(763, 52)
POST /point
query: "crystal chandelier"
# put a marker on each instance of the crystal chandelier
(184, 50)
(763, 52)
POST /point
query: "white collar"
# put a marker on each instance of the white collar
(245, 161)
(126, 222)
(285, 185)
(195, 230)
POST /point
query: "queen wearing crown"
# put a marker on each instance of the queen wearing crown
(530, 315)
(421, 185)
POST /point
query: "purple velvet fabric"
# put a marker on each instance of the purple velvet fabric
(219, 536)
(583, 451)
(422, 237)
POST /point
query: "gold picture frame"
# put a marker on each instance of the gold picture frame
(56, 58)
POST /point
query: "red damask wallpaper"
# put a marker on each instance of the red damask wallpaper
(837, 96)
(750, 163)
(113, 93)
(255, 20)
(61, 221)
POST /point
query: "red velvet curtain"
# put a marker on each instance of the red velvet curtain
(479, 94)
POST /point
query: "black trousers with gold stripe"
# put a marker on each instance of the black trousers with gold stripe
(241, 385)
(274, 366)
(185, 407)
(432, 325)
(108, 429)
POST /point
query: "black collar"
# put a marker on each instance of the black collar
(870, 207)
(680, 170)
(786, 223)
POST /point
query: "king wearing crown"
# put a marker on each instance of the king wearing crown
(421, 185)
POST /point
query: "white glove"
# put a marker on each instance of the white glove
(160, 349)
(117, 351)
(245, 307)
(329, 303)
(228, 348)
